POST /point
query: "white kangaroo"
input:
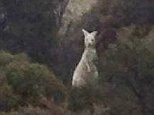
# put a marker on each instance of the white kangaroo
(86, 71)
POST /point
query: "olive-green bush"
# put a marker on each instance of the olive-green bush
(23, 82)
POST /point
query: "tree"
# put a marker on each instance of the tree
(31, 26)
(128, 68)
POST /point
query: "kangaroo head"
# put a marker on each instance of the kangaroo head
(89, 38)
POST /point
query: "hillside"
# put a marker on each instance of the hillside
(41, 43)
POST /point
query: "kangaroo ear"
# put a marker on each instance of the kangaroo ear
(94, 33)
(85, 32)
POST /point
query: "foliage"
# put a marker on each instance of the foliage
(8, 99)
(26, 82)
(128, 69)
(31, 26)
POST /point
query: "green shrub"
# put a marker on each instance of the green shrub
(5, 58)
(32, 80)
(25, 82)
(8, 99)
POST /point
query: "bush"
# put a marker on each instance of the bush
(25, 82)
(126, 73)
(8, 99)
(5, 58)
(32, 80)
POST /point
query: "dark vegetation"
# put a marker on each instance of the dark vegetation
(36, 64)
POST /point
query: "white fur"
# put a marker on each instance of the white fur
(86, 71)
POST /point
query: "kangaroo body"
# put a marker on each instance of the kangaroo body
(86, 71)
